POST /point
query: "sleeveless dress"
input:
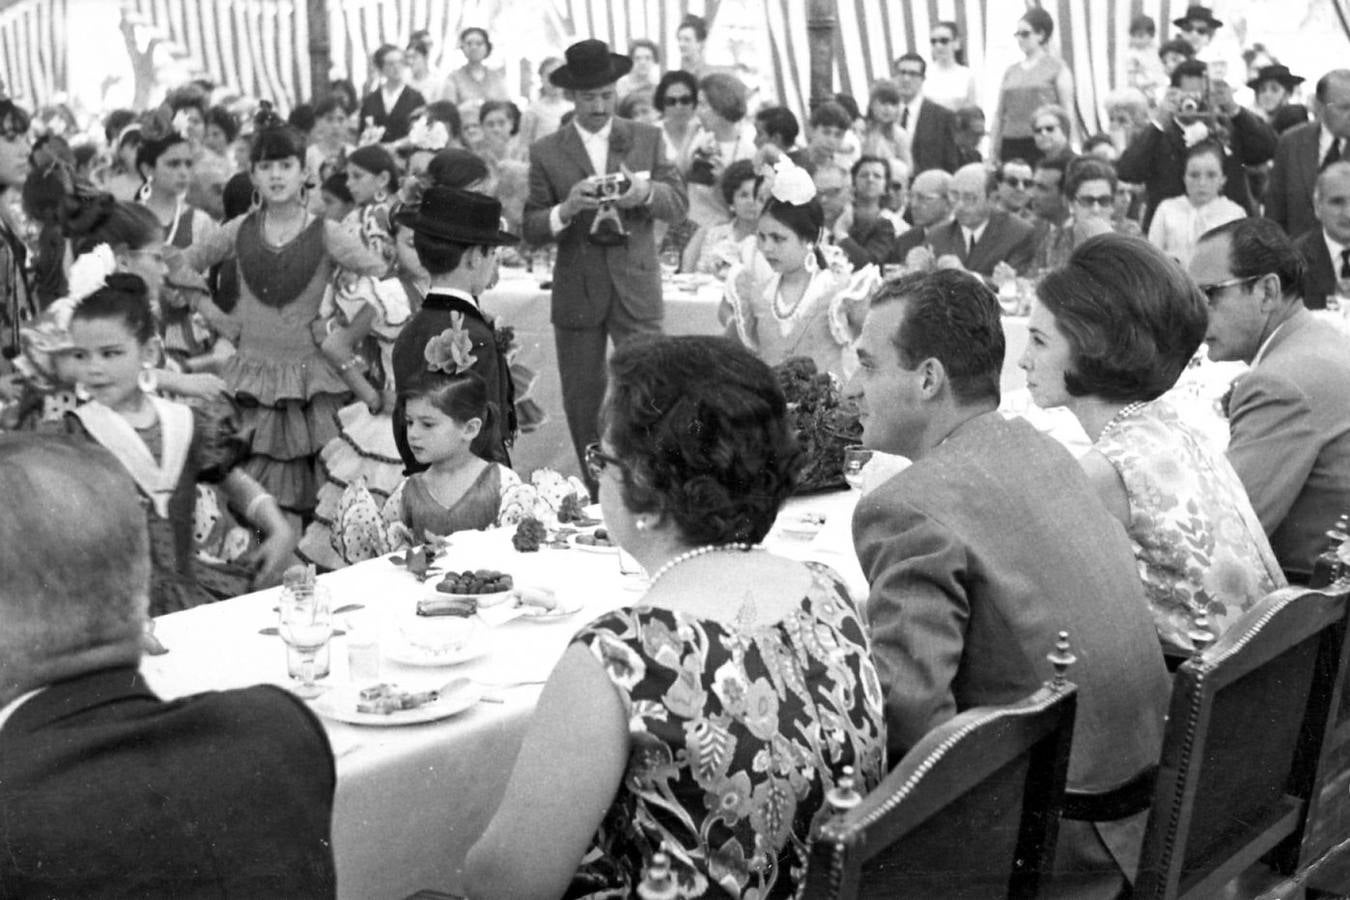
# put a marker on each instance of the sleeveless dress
(1197, 540)
(736, 736)
(287, 392)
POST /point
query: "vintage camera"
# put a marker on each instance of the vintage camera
(607, 229)
(608, 188)
(701, 168)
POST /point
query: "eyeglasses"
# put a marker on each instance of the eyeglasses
(680, 100)
(957, 198)
(1017, 184)
(598, 460)
(1046, 129)
(898, 185)
(940, 41)
(1195, 29)
(1210, 290)
(1105, 201)
(908, 73)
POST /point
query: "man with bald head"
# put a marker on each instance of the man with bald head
(1303, 152)
(928, 210)
(982, 235)
(105, 789)
(1326, 250)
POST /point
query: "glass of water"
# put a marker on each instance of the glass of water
(856, 458)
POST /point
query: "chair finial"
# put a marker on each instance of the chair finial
(1061, 658)
(844, 795)
(1201, 634)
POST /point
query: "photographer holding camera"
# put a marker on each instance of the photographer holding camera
(597, 186)
(1195, 109)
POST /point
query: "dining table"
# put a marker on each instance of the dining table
(411, 799)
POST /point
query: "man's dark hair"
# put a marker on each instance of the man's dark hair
(832, 114)
(1059, 165)
(1190, 68)
(951, 316)
(1179, 46)
(1088, 168)
(1260, 247)
(912, 57)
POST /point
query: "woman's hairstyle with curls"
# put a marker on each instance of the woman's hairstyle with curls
(375, 159)
(805, 220)
(461, 397)
(157, 136)
(1132, 318)
(512, 112)
(124, 297)
(90, 219)
(701, 427)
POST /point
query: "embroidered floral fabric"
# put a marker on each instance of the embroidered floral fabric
(736, 738)
(1196, 538)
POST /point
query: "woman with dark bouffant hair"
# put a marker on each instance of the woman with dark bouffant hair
(812, 301)
(1110, 332)
(288, 393)
(732, 654)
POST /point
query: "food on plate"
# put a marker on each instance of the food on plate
(536, 600)
(481, 581)
(570, 510)
(385, 699)
(447, 606)
(597, 538)
(530, 533)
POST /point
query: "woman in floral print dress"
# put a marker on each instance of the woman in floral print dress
(1109, 333)
(711, 718)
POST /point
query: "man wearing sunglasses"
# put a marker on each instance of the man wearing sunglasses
(1014, 188)
(1288, 420)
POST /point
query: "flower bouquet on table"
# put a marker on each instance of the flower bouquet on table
(824, 420)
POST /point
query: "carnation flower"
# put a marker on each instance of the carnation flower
(451, 351)
(792, 184)
(426, 135)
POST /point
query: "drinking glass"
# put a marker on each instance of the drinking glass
(306, 625)
(670, 263)
(856, 457)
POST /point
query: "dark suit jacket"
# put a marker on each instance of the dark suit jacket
(1319, 277)
(1005, 239)
(587, 277)
(934, 143)
(977, 556)
(1289, 426)
(869, 244)
(1289, 191)
(396, 121)
(408, 361)
(914, 237)
(1157, 160)
(108, 791)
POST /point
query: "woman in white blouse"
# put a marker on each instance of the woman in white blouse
(949, 81)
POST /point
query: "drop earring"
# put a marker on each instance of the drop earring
(146, 380)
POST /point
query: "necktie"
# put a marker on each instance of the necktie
(1345, 264)
(970, 245)
(1333, 153)
(904, 118)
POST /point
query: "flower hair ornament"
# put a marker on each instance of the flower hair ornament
(451, 351)
(791, 183)
(181, 123)
(428, 136)
(88, 273)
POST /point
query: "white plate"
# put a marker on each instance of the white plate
(340, 704)
(590, 548)
(470, 645)
(564, 609)
(803, 525)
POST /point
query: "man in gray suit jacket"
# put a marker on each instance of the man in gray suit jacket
(985, 548)
(1289, 417)
(981, 235)
(1303, 152)
(606, 283)
(1326, 249)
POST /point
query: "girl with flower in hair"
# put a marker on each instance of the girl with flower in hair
(812, 302)
(287, 391)
(445, 406)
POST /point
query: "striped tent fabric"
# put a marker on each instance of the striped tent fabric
(32, 50)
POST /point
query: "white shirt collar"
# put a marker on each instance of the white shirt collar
(913, 107)
(977, 233)
(12, 706)
(597, 145)
(1324, 139)
(1335, 248)
(453, 292)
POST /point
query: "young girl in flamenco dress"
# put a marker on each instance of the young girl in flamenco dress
(166, 447)
(445, 407)
(288, 393)
(364, 447)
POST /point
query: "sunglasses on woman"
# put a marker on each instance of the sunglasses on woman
(680, 100)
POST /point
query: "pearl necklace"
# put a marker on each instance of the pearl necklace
(684, 557)
(1125, 412)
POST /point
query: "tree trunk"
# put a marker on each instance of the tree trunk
(820, 25)
(320, 59)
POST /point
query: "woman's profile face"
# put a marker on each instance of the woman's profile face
(783, 249)
(1046, 358)
(417, 62)
(14, 152)
(690, 48)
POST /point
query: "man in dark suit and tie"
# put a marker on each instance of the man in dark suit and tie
(1304, 151)
(606, 283)
(984, 549)
(1288, 419)
(105, 789)
(982, 235)
(929, 209)
(931, 126)
(1326, 250)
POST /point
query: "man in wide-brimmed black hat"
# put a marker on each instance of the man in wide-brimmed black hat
(606, 284)
(457, 235)
(1198, 26)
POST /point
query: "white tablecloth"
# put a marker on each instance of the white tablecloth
(411, 800)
